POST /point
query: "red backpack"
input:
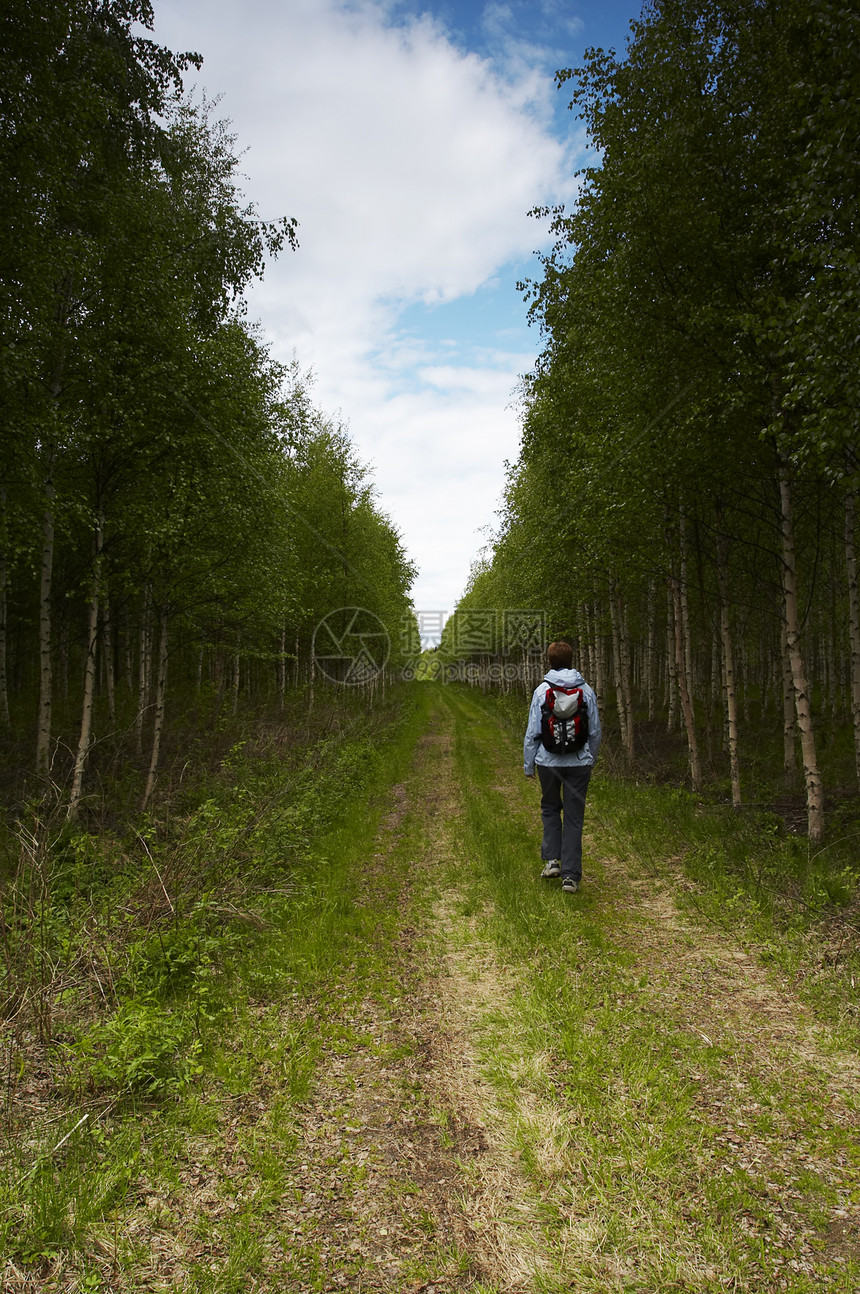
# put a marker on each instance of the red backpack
(564, 719)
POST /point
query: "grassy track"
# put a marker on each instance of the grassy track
(439, 1072)
(703, 1130)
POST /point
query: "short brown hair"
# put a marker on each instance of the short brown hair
(560, 655)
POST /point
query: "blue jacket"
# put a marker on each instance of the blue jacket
(533, 749)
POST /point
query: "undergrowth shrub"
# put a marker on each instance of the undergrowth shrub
(122, 941)
(141, 1049)
(125, 941)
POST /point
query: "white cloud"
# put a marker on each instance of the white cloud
(410, 166)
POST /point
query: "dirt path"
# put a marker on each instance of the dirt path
(436, 1200)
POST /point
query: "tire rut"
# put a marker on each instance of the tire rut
(430, 1193)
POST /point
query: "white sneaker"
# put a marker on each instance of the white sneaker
(552, 870)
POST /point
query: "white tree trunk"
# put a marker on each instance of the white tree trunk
(671, 663)
(743, 680)
(616, 669)
(587, 644)
(853, 624)
(160, 692)
(89, 677)
(621, 665)
(789, 722)
(683, 687)
(237, 669)
(4, 577)
(718, 682)
(43, 733)
(685, 606)
(626, 671)
(821, 670)
(728, 669)
(650, 660)
(43, 738)
(144, 672)
(803, 710)
(599, 660)
(110, 677)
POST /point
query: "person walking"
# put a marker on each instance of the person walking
(562, 742)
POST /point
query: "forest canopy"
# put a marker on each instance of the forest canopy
(684, 501)
(173, 508)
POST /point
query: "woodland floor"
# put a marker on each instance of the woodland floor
(469, 1128)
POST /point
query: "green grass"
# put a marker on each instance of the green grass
(799, 902)
(208, 1007)
(653, 1157)
(645, 1173)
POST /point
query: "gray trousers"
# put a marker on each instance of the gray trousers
(562, 810)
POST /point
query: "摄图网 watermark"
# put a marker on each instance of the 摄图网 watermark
(352, 646)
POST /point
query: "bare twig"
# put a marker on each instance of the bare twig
(41, 1158)
(157, 872)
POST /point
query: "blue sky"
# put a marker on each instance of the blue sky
(557, 33)
(553, 24)
(410, 140)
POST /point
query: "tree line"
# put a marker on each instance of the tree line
(684, 502)
(175, 512)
